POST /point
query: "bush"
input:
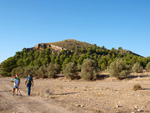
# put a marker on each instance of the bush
(148, 66)
(89, 70)
(78, 67)
(123, 74)
(19, 70)
(41, 72)
(7, 66)
(70, 71)
(52, 70)
(118, 69)
(137, 68)
(27, 70)
(34, 71)
(137, 87)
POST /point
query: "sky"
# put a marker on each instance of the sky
(109, 23)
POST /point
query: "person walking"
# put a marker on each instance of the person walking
(29, 82)
(18, 90)
(16, 86)
(16, 81)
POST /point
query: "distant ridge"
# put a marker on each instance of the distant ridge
(69, 44)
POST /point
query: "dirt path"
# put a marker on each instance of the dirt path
(77, 96)
(25, 104)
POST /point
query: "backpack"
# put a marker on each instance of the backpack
(18, 78)
(29, 81)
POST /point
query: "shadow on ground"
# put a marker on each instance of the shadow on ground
(66, 93)
(145, 88)
(5, 90)
(137, 76)
(102, 77)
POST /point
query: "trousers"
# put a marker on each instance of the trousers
(29, 89)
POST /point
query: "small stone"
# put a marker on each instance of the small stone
(77, 105)
(118, 106)
(81, 106)
(139, 110)
(136, 107)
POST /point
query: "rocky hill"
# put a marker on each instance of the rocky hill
(67, 51)
(72, 44)
(69, 44)
(42, 46)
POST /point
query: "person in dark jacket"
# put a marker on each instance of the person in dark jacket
(29, 82)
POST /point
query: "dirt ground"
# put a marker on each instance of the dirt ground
(78, 96)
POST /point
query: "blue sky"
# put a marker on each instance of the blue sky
(112, 23)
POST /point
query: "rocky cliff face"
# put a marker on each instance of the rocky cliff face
(42, 46)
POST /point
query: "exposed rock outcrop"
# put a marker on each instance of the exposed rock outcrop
(42, 46)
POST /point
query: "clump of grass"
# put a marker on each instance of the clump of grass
(137, 87)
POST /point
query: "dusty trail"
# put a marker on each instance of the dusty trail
(78, 96)
(25, 104)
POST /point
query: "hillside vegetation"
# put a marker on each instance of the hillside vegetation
(46, 62)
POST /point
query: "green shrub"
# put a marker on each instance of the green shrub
(18, 70)
(52, 70)
(27, 70)
(89, 70)
(34, 71)
(137, 68)
(118, 69)
(78, 67)
(7, 66)
(148, 66)
(41, 72)
(70, 71)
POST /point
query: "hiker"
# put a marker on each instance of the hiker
(18, 90)
(16, 86)
(29, 82)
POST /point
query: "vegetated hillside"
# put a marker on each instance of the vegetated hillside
(37, 60)
(73, 45)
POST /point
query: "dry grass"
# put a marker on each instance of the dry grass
(137, 87)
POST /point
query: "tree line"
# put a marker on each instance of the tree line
(46, 63)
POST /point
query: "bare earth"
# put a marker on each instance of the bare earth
(102, 96)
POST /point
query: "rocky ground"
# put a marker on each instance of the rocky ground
(66, 96)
